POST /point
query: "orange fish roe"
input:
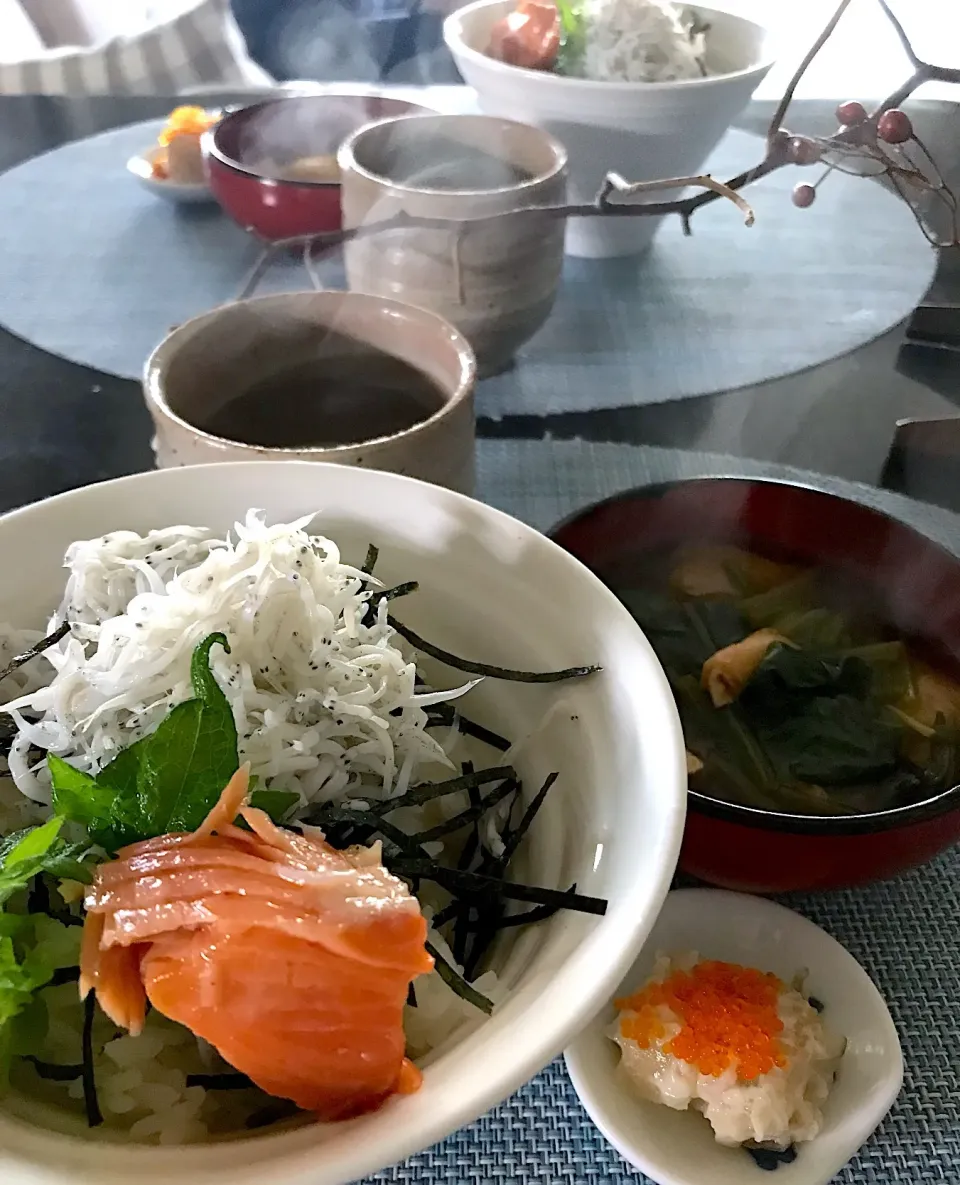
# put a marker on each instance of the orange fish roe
(186, 121)
(728, 1017)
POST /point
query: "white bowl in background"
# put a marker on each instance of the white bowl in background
(642, 130)
(677, 1147)
(141, 167)
(498, 591)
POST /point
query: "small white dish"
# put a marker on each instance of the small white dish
(677, 1147)
(141, 166)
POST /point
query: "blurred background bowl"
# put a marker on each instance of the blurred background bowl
(742, 847)
(649, 129)
(248, 145)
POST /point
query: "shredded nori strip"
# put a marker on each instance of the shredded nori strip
(456, 881)
(230, 1080)
(815, 1004)
(482, 668)
(391, 594)
(63, 975)
(38, 896)
(453, 909)
(456, 981)
(90, 1101)
(37, 649)
(470, 815)
(445, 714)
(539, 913)
(386, 594)
(418, 795)
(490, 918)
(770, 1159)
(373, 553)
(411, 996)
(53, 1072)
(512, 841)
(400, 839)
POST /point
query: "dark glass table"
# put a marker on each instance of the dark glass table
(63, 425)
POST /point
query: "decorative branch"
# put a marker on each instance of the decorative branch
(874, 144)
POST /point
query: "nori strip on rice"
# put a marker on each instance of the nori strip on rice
(53, 1072)
(230, 1080)
(36, 649)
(482, 668)
(90, 1101)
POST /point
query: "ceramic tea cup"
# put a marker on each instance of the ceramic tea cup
(493, 275)
(344, 377)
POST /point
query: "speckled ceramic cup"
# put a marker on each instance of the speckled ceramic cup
(208, 361)
(494, 278)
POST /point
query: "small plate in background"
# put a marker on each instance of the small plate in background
(677, 1147)
(141, 166)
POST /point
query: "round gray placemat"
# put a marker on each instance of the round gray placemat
(541, 1135)
(97, 269)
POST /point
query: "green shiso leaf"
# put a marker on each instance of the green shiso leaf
(276, 803)
(573, 35)
(25, 854)
(33, 949)
(168, 781)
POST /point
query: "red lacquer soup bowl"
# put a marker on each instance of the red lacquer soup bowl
(916, 581)
(247, 152)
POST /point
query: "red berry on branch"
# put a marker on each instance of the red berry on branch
(851, 113)
(803, 151)
(804, 196)
(894, 126)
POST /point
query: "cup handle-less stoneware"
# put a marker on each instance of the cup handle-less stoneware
(207, 361)
(495, 279)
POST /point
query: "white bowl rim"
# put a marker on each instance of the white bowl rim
(542, 1042)
(453, 36)
(716, 901)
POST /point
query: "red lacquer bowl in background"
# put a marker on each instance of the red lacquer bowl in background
(741, 847)
(283, 130)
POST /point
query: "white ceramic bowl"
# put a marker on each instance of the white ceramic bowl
(141, 167)
(677, 1147)
(643, 131)
(499, 590)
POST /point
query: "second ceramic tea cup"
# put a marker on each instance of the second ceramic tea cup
(493, 273)
(340, 368)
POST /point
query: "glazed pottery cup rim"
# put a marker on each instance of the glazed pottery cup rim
(157, 365)
(347, 156)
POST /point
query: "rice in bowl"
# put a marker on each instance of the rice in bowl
(331, 716)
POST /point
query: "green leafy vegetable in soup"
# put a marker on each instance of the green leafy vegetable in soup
(794, 694)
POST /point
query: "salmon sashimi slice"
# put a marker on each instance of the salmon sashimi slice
(528, 37)
(293, 959)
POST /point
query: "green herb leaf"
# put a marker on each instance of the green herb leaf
(787, 677)
(16, 986)
(834, 741)
(32, 949)
(572, 36)
(25, 854)
(80, 797)
(276, 803)
(168, 781)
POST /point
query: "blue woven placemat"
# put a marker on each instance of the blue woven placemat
(542, 1134)
(97, 269)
